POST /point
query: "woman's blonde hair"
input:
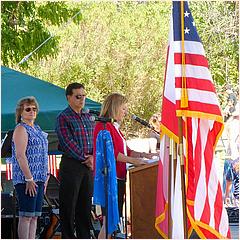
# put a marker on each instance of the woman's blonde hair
(111, 105)
(30, 100)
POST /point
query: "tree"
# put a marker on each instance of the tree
(116, 48)
(218, 26)
(25, 27)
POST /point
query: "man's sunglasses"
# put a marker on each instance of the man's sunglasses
(28, 109)
(80, 96)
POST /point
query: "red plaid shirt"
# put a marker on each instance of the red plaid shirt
(75, 133)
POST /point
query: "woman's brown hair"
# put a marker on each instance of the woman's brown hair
(111, 105)
(20, 106)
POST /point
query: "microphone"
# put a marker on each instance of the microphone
(101, 119)
(143, 122)
(90, 111)
(94, 112)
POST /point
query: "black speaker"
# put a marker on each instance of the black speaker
(233, 214)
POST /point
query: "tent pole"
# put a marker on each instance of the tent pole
(184, 203)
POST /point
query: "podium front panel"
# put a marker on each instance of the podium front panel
(143, 187)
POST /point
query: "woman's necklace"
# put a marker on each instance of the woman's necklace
(31, 124)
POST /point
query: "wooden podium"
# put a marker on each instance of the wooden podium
(143, 187)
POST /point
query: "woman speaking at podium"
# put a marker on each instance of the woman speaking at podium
(115, 108)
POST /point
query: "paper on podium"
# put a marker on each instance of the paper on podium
(152, 160)
(146, 160)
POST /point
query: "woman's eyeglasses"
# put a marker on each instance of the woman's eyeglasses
(28, 109)
(80, 96)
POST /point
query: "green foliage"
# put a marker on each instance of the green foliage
(24, 28)
(116, 48)
(218, 26)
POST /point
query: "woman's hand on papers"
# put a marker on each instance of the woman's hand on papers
(138, 161)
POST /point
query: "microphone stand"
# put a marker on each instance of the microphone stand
(14, 213)
(144, 123)
(155, 131)
(105, 181)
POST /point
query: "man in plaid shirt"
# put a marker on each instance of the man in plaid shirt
(75, 133)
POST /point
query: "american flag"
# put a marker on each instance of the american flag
(52, 166)
(189, 92)
(8, 171)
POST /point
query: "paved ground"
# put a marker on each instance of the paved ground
(234, 227)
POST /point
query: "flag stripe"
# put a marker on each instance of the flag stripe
(193, 71)
(196, 83)
(199, 96)
(191, 59)
(217, 205)
(52, 165)
(170, 121)
(222, 225)
(8, 171)
(189, 47)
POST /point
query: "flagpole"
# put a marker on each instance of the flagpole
(174, 162)
(184, 104)
(169, 189)
(184, 202)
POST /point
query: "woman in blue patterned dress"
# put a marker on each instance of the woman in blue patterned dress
(30, 166)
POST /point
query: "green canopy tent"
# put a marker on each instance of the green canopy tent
(51, 99)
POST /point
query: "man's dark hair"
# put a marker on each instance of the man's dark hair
(72, 86)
